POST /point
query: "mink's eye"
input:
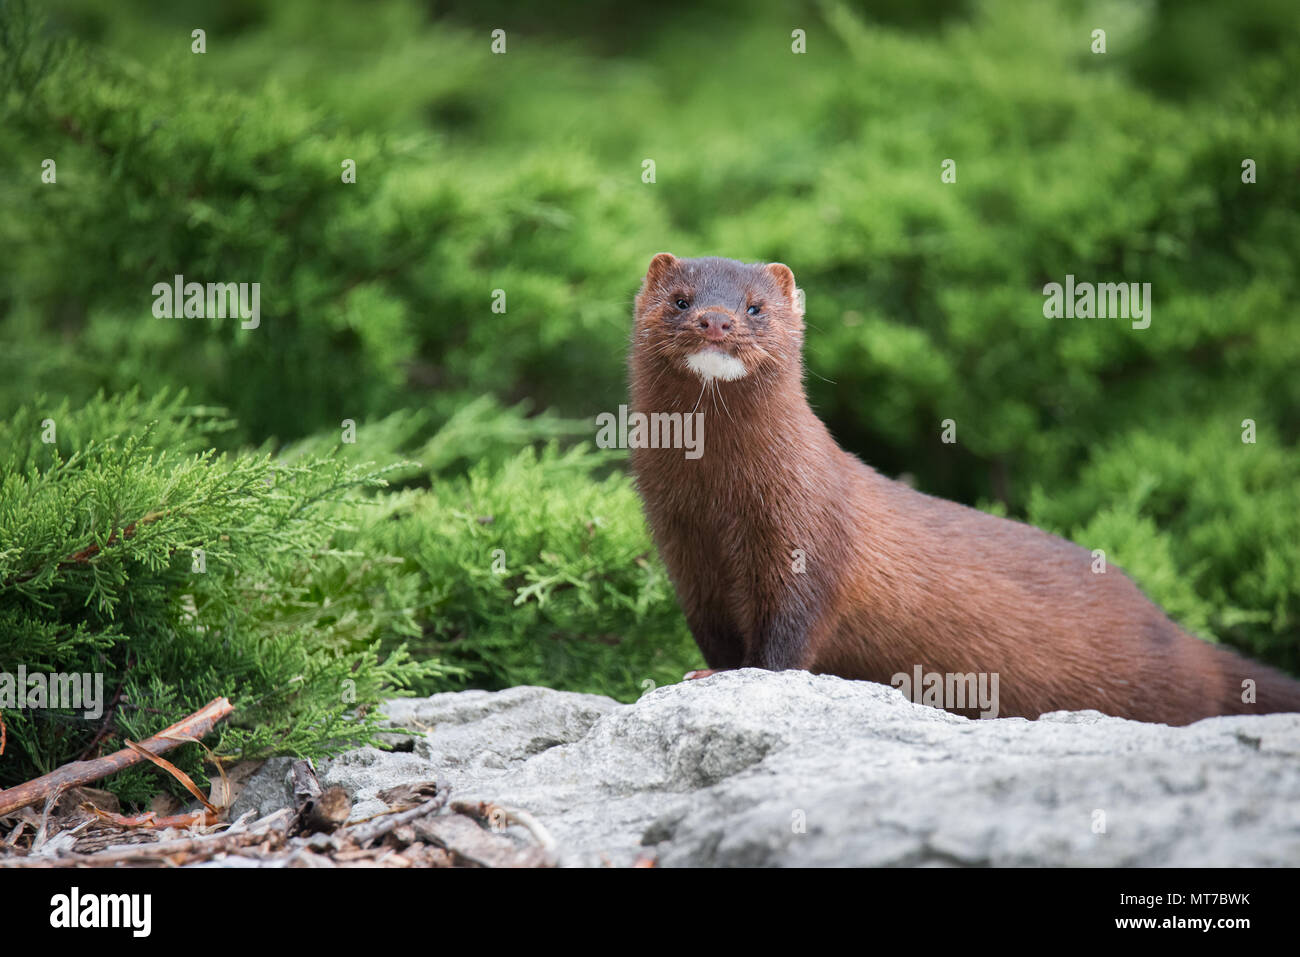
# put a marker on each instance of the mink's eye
(754, 310)
(683, 304)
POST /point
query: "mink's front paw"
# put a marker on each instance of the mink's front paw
(704, 673)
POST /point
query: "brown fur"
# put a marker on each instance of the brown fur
(893, 578)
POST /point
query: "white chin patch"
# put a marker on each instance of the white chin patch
(711, 364)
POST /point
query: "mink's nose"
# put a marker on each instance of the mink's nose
(716, 324)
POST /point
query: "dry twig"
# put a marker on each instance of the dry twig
(84, 772)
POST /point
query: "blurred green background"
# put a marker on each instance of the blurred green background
(523, 172)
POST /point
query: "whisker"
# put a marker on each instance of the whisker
(819, 375)
(718, 390)
(700, 396)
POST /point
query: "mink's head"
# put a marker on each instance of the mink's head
(718, 319)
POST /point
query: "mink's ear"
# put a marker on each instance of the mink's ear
(784, 279)
(660, 266)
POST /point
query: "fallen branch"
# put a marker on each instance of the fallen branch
(151, 821)
(494, 814)
(84, 772)
(161, 852)
(366, 833)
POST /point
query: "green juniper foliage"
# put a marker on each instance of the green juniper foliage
(541, 571)
(180, 576)
(534, 565)
(300, 585)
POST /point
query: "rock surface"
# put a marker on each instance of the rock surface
(753, 768)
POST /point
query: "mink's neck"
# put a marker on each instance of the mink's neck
(765, 413)
(755, 398)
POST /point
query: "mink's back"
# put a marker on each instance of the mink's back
(957, 590)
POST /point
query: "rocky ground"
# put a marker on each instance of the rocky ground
(760, 769)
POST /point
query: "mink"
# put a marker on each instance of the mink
(788, 552)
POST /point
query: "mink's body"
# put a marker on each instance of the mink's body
(891, 578)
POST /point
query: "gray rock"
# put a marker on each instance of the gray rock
(753, 768)
(265, 792)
